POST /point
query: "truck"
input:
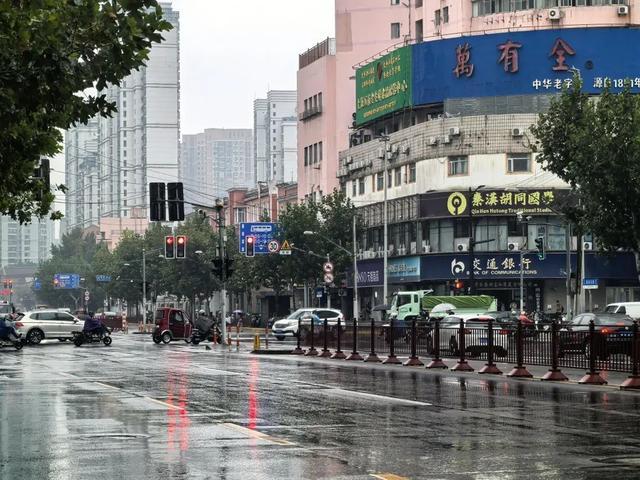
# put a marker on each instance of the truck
(406, 306)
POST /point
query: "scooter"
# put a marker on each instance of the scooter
(198, 336)
(91, 337)
(17, 344)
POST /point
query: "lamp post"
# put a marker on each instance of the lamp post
(223, 274)
(472, 241)
(355, 263)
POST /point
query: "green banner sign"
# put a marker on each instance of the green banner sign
(383, 86)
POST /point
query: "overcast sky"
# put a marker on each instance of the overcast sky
(234, 51)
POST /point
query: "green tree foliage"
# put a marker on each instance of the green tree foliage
(50, 51)
(594, 146)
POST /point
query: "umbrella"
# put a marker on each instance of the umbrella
(443, 308)
(237, 312)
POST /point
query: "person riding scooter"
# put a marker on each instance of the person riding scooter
(93, 325)
(8, 330)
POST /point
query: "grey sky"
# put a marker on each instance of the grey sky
(234, 51)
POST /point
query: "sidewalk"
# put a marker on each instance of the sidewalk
(614, 379)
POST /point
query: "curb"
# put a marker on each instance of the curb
(272, 352)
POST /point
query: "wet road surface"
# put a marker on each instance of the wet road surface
(142, 411)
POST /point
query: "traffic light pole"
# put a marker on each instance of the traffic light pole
(223, 274)
(144, 289)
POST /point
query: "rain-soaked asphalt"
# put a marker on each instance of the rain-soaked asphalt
(141, 411)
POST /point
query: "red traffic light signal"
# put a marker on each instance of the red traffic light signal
(181, 246)
(251, 247)
(169, 247)
(459, 284)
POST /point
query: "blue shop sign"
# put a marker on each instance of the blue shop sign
(521, 63)
(503, 266)
(403, 269)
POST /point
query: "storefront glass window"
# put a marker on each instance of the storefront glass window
(446, 236)
(434, 236)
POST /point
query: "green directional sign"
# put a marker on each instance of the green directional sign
(383, 86)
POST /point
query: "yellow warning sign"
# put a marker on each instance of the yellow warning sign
(285, 248)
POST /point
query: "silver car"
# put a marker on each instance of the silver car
(289, 326)
(38, 325)
(475, 335)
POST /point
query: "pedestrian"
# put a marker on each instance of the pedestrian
(559, 310)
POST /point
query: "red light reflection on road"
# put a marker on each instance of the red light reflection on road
(254, 372)
(177, 418)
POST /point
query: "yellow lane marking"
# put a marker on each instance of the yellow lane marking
(257, 435)
(387, 476)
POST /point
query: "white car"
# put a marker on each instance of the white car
(289, 326)
(38, 325)
(475, 335)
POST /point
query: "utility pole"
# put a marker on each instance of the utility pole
(223, 273)
(356, 312)
(144, 289)
(472, 242)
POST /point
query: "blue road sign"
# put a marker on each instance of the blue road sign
(103, 278)
(37, 284)
(590, 283)
(66, 280)
(319, 292)
(263, 233)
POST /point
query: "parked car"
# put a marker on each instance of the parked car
(39, 325)
(624, 308)
(613, 334)
(475, 335)
(287, 327)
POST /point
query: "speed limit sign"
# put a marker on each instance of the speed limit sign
(86, 295)
(327, 267)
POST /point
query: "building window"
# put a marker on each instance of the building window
(315, 153)
(380, 181)
(458, 166)
(361, 186)
(461, 228)
(437, 19)
(516, 228)
(353, 188)
(395, 30)
(274, 139)
(445, 15)
(320, 100)
(517, 163)
(412, 173)
(418, 3)
(274, 130)
(419, 31)
(320, 151)
(398, 179)
(306, 156)
(395, 2)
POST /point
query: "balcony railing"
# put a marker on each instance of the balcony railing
(311, 112)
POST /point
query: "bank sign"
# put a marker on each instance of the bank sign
(383, 86)
(492, 202)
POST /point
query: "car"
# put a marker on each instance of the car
(287, 327)
(625, 308)
(475, 335)
(509, 321)
(38, 325)
(613, 334)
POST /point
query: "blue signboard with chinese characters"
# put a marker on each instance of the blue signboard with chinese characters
(263, 233)
(403, 269)
(66, 280)
(103, 278)
(520, 63)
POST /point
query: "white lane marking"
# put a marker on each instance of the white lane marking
(387, 476)
(372, 396)
(256, 434)
(159, 402)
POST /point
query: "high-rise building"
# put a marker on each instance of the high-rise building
(108, 176)
(326, 87)
(25, 244)
(275, 137)
(214, 161)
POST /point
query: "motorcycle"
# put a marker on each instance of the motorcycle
(92, 337)
(205, 329)
(17, 344)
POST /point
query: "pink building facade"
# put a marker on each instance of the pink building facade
(326, 87)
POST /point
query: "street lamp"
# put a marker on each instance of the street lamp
(472, 241)
(355, 264)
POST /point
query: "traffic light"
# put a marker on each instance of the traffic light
(251, 247)
(217, 268)
(540, 247)
(42, 174)
(169, 247)
(157, 206)
(458, 285)
(175, 197)
(230, 268)
(181, 246)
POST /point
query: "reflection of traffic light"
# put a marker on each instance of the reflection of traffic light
(169, 247)
(181, 246)
(458, 285)
(251, 247)
(540, 247)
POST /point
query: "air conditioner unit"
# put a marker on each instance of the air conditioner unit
(517, 132)
(395, 149)
(446, 139)
(623, 10)
(513, 246)
(402, 250)
(433, 141)
(587, 246)
(453, 131)
(462, 247)
(554, 14)
(381, 153)
(412, 248)
(348, 160)
(405, 149)
(388, 147)
(426, 249)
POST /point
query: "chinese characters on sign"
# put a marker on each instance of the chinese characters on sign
(506, 266)
(509, 57)
(463, 55)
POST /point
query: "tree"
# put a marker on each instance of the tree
(50, 51)
(594, 146)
